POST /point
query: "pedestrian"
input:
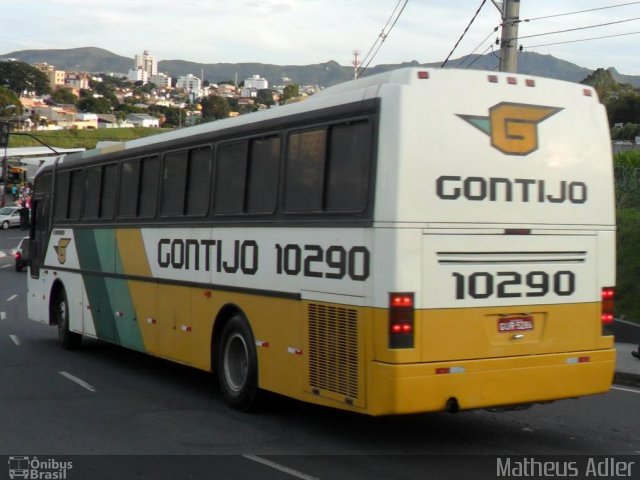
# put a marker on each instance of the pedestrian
(24, 217)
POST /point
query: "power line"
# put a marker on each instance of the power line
(480, 56)
(583, 40)
(578, 11)
(474, 50)
(382, 36)
(463, 33)
(577, 28)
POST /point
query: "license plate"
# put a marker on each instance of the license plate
(515, 324)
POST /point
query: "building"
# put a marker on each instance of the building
(56, 77)
(190, 84)
(143, 120)
(146, 62)
(76, 80)
(138, 75)
(252, 85)
(161, 80)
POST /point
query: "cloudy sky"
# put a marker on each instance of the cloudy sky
(302, 32)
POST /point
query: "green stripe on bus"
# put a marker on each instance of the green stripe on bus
(110, 300)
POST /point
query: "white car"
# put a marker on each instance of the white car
(10, 217)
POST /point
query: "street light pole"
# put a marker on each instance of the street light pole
(4, 142)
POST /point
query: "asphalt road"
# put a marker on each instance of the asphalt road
(104, 400)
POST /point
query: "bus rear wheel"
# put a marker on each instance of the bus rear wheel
(238, 364)
(60, 313)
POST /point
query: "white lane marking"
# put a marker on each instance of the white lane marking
(282, 468)
(77, 380)
(15, 339)
(625, 390)
(12, 297)
(6, 266)
(3, 315)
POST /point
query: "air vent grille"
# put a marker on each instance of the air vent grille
(333, 349)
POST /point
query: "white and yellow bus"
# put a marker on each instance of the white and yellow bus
(418, 240)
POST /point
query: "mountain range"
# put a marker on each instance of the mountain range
(98, 60)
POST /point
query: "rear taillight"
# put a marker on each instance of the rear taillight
(18, 256)
(606, 316)
(401, 308)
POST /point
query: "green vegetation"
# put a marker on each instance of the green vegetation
(80, 138)
(20, 77)
(622, 102)
(627, 175)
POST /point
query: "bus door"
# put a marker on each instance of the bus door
(39, 233)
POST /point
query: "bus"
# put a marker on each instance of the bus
(417, 240)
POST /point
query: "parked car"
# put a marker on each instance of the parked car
(21, 254)
(10, 217)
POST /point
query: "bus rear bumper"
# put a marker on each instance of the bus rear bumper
(413, 388)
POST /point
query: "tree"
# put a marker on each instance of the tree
(265, 96)
(63, 95)
(21, 77)
(604, 83)
(9, 103)
(624, 108)
(290, 91)
(214, 108)
(95, 105)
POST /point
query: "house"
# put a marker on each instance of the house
(143, 120)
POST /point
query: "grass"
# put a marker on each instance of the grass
(80, 138)
(628, 264)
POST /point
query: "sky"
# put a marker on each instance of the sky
(303, 32)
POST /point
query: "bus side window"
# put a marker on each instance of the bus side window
(93, 181)
(262, 178)
(129, 181)
(149, 184)
(198, 181)
(349, 165)
(231, 172)
(174, 180)
(305, 167)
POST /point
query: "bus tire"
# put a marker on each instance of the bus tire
(60, 316)
(238, 364)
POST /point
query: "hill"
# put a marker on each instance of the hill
(92, 59)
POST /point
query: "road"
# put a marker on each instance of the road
(105, 400)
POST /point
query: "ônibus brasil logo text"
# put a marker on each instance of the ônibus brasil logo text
(38, 469)
(512, 127)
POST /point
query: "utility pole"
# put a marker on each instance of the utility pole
(356, 63)
(510, 11)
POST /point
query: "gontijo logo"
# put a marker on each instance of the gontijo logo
(61, 249)
(513, 127)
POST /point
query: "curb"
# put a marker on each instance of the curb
(627, 379)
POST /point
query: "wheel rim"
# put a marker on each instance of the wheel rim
(61, 314)
(236, 362)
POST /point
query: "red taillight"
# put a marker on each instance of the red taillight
(401, 320)
(18, 256)
(401, 300)
(422, 75)
(608, 294)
